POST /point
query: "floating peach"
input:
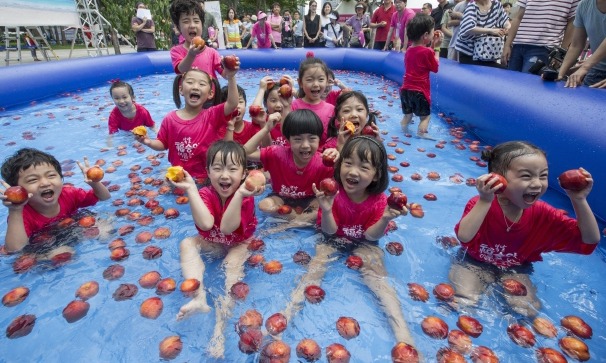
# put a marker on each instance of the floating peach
(447, 355)
(21, 326)
(152, 252)
(354, 262)
(433, 175)
(348, 327)
(171, 213)
(444, 292)
(170, 347)
(151, 308)
(254, 180)
(430, 197)
(514, 287)
(544, 327)
(309, 350)
(470, 326)
(276, 324)
(119, 253)
(272, 267)
(189, 286)
(75, 310)
(397, 178)
(95, 174)
(151, 204)
(87, 221)
(150, 279)
(434, 327)
(459, 341)
(23, 263)
(118, 242)
(284, 209)
(574, 348)
(133, 202)
(125, 292)
(175, 173)
(404, 164)
(416, 210)
(250, 341)
(157, 211)
(61, 258)
(124, 230)
(404, 353)
(394, 248)
(416, 177)
(301, 258)
(239, 290)
(392, 169)
(113, 272)
(251, 319)
(482, 354)
(87, 290)
(182, 200)
(162, 232)
(521, 335)
(122, 212)
(549, 355)
(577, 326)
(143, 237)
(66, 222)
(256, 244)
(15, 296)
(275, 352)
(255, 260)
(337, 353)
(314, 294)
(447, 241)
(417, 292)
(166, 286)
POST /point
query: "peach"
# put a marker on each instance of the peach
(256, 244)
(87, 290)
(435, 327)
(482, 354)
(447, 241)
(152, 252)
(24, 263)
(314, 294)
(75, 310)
(151, 308)
(124, 230)
(66, 222)
(15, 297)
(170, 347)
(150, 279)
(521, 335)
(133, 202)
(397, 178)
(416, 177)
(87, 221)
(95, 174)
(251, 319)
(16, 194)
(189, 286)
(175, 173)
(157, 211)
(433, 175)
(470, 326)
(276, 324)
(404, 353)
(399, 150)
(119, 253)
(459, 341)
(337, 353)
(444, 292)
(143, 237)
(577, 326)
(309, 350)
(250, 341)
(255, 260)
(171, 213)
(272, 267)
(21, 326)
(417, 292)
(284, 209)
(118, 242)
(113, 272)
(354, 262)
(162, 232)
(544, 327)
(255, 179)
(430, 197)
(125, 292)
(139, 131)
(166, 286)
(416, 210)
(61, 258)
(549, 355)
(239, 290)
(348, 327)
(394, 248)
(447, 355)
(514, 287)
(182, 200)
(275, 352)
(122, 212)
(301, 258)
(574, 348)
(151, 204)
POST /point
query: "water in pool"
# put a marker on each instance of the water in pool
(74, 125)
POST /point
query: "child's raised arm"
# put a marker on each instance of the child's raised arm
(471, 223)
(328, 223)
(232, 218)
(16, 238)
(377, 230)
(99, 188)
(154, 144)
(199, 211)
(251, 146)
(586, 221)
(232, 88)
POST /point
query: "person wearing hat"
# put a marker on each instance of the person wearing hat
(144, 31)
(333, 34)
(261, 31)
(358, 24)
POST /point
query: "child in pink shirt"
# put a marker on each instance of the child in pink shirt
(224, 215)
(269, 96)
(187, 133)
(127, 114)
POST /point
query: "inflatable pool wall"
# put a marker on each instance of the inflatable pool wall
(496, 105)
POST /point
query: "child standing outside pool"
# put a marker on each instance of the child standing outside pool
(353, 221)
(224, 214)
(419, 60)
(127, 114)
(48, 201)
(502, 233)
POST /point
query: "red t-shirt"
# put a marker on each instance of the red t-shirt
(353, 219)
(323, 109)
(117, 121)
(276, 136)
(70, 200)
(247, 132)
(287, 180)
(208, 61)
(248, 220)
(188, 141)
(382, 15)
(418, 62)
(542, 228)
(332, 96)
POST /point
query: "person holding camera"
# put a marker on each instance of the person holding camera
(590, 22)
(535, 32)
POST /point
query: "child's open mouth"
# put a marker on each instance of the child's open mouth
(194, 96)
(530, 197)
(351, 181)
(47, 194)
(224, 186)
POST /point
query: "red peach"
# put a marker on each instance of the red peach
(444, 292)
(404, 164)
(432, 175)
(143, 237)
(394, 248)
(577, 326)
(544, 327)
(250, 341)
(435, 327)
(417, 292)
(151, 204)
(16, 194)
(251, 319)
(23, 263)
(430, 197)
(301, 258)
(170, 347)
(549, 355)
(239, 290)
(309, 350)
(416, 210)
(348, 327)
(482, 354)
(15, 296)
(573, 180)
(119, 254)
(118, 242)
(447, 355)
(392, 169)
(284, 209)
(122, 212)
(255, 179)
(75, 310)
(95, 174)
(166, 286)
(87, 221)
(256, 244)
(404, 353)
(230, 61)
(125, 292)
(574, 348)
(66, 222)
(151, 308)
(314, 294)
(152, 252)
(21, 326)
(285, 91)
(397, 178)
(514, 287)
(255, 260)
(337, 353)
(397, 201)
(276, 324)
(459, 341)
(354, 262)
(124, 230)
(87, 290)
(329, 186)
(189, 286)
(61, 258)
(501, 180)
(272, 267)
(157, 211)
(275, 352)
(150, 279)
(113, 272)
(328, 160)
(255, 110)
(171, 213)
(162, 232)
(470, 326)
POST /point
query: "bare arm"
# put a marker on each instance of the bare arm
(327, 223)
(586, 221)
(232, 89)
(579, 38)
(200, 213)
(511, 35)
(471, 223)
(232, 217)
(15, 238)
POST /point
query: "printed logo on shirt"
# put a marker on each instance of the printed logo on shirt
(291, 192)
(354, 231)
(499, 256)
(186, 148)
(215, 235)
(280, 141)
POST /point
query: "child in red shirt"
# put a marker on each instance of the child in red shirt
(503, 231)
(419, 60)
(127, 114)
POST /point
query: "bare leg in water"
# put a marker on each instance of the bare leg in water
(271, 205)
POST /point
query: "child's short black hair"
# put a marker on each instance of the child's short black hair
(118, 84)
(227, 148)
(418, 26)
(300, 122)
(180, 7)
(368, 150)
(241, 93)
(24, 159)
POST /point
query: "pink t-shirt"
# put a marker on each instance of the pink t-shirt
(399, 21)
(275, 20)
(353, 219)
(542, 228)
(188, 140)
(208, 61)
(248, 220)
(332, 96)
(276, 136)
(323, 109)
(418, 62)
(247, 132)
(117, 121)
(287, 180)
(70, 200)
(262, 35)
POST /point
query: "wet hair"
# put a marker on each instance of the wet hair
(309, 7)
(119, 84)
(368, 150)
(268, 91)
(419, 25)
(333, 130)
(305, 65)
(185, 7)
(323, 6)
(241, 93)
(230, 149)
(214, 86)
(24, 159)
(501, 156)
(302, 121)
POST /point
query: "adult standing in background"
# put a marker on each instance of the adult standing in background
(232, 28)
(397, 26)
(454, 24)
(427, 8)
(209, 22)
(297, 25)
(324, 20)
(311, 27)
(438, 13)
(380, 21)
(144, 31)
(360, 22)
(275, 21)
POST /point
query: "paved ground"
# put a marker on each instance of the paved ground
(62, 54)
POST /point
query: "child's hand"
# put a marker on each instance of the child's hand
(194, 50)
(438, 37)
(142, 139)
(272, 120)
(9, 205)
(230, 72)
(487, 189)
(325, 201)
(264, 81)
(85, 167)
(250, 193)
(583, 193)
(291, 81)
(188, 183)
(331, 153)
(343, 134)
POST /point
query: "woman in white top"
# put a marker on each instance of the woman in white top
(333, 34)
